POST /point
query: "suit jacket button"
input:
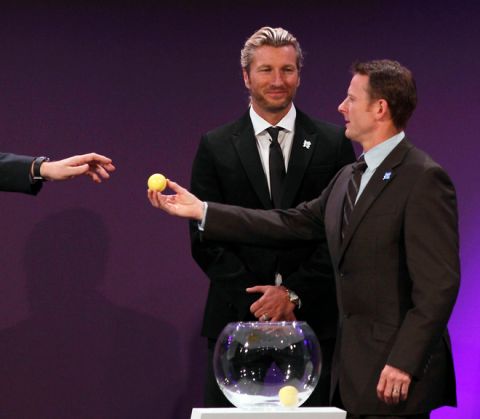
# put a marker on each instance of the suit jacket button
(342, 275)
(346, 315)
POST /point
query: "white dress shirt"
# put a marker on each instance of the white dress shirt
(375, 157)
(285, 137)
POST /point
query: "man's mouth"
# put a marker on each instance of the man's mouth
(276, 92)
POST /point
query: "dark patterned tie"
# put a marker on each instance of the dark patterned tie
(352, 191)
(276, 167)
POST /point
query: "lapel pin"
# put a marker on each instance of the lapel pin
(306, 144)
(387, 176)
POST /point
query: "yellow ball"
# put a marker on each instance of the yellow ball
(288, 396)
(157, 182)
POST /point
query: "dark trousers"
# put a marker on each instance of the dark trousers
(213, 396)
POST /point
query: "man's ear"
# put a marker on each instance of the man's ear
(246, 78)
(383, 110)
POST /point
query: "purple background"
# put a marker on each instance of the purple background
(100, 301)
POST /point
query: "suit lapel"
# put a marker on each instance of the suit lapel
(334, 212)
(303, 147)
(244, 141)
(372, 191)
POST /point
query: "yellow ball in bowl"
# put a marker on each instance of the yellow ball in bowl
(288, 396)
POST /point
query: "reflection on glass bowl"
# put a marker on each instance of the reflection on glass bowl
(267, 365)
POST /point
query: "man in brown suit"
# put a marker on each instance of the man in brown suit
(393, 240)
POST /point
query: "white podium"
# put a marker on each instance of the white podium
(299, 413)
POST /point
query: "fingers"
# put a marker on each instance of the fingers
(155, 199)
(388, 392)
(257, 307)
(163, 202)
(61, 170)
(91, 158)
(96, 166)
(257, 288)
(259, 310)
(404, 391)
(393, 385)
(273, 302)
(98, 172)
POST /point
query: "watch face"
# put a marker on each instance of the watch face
(293, 297)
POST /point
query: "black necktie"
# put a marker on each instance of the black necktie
(276, 167)
(352, 191)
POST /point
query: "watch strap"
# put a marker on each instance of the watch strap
(36, 168)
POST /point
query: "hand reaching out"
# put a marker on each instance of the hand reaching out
(181, 204)
(94, 165)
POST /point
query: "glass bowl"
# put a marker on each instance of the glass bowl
(267, 365)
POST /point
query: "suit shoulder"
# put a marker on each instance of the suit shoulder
(421, 165)
(320, 126)
(422, 160)
(226, 130)
(328, 127)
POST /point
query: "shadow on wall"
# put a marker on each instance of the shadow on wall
(191, 391)
(78, 355)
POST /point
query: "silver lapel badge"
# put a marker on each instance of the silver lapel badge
(306, 144)
(387, 176)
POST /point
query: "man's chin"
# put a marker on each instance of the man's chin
(278, 107)
(349, 134)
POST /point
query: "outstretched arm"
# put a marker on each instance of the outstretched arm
(94, 165)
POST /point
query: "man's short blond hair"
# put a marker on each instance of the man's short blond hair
(275, 37)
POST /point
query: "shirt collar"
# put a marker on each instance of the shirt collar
(260, 125)
(376, 155)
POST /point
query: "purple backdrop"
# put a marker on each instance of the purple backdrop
(100, 302)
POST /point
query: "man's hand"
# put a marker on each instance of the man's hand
(181, 204)
(273, 305)
(93, 165)
(393, 385)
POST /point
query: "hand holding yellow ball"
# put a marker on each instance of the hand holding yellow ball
(157, 182)
(288, 396)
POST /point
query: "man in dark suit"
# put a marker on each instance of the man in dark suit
(26, 174)
(395, 253)
(234, 166)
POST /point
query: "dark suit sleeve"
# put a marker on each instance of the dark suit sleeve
(15, 174)
(432, 254)
(217, 260)
(271, 228)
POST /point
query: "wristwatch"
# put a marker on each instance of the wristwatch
(293, 297)
(36, 168)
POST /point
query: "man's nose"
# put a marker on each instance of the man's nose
(277, 78)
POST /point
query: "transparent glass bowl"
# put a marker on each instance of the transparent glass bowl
(267, 365)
